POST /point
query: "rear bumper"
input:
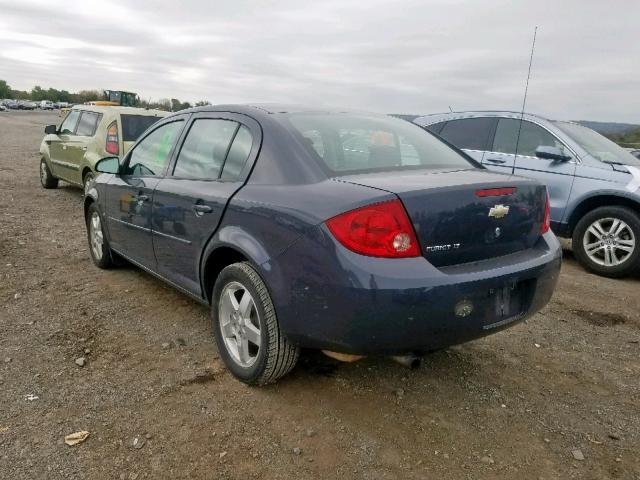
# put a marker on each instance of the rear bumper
(327, 297)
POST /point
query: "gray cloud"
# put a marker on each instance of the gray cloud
(409, 56)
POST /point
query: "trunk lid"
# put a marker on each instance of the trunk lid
(453, 223)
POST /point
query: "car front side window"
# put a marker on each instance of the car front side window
(69, 124)
(532, 136)
(151, 156)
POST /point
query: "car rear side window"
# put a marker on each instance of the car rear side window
(205, 148)
(354, 143)
(151, 155)
(468, 133)
(532, 136)
(87, 124)
(238, 154)
(69, 124)
(134, 125)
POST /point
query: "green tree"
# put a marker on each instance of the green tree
(37, 94)
(5, 90)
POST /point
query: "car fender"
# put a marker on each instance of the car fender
(89, 161)
(45, 152)
(237, 238)
(577, 204)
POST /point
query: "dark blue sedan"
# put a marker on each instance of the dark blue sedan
(352, 233)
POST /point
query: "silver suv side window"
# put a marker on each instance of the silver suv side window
(532, 136)
(151, 156)
(468, 133)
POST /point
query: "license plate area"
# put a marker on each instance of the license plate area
(508, 303)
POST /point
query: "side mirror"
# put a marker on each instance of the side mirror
(108, 165)
(552, 153)
(49, 129)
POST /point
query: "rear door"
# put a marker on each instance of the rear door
(76, 150)
(130, 193)
(60, 145)
(469, 134)
(212, 164)
(558, 176)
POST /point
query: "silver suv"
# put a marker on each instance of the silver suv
(593, 183)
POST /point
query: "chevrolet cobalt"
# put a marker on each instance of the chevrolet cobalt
(352, 233)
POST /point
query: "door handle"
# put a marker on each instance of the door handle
(200, 208)
(141, 198)
(496, 160)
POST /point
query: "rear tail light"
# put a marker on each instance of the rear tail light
(546, 223)
(113, 142)
(378, 230)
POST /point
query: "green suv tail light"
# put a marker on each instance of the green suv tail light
(113, 141)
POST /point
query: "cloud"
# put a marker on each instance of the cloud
(410, 56)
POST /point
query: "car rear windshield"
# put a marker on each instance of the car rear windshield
(134, 125)
(359, 143)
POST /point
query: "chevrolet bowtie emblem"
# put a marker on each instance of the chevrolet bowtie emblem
(499, 211)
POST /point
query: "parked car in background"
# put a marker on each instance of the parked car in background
(27, 105)
(635, 153)
(353, 233)
(46, 105)
(2, 108)
(11, 104)
(593, 183)
(87, 134)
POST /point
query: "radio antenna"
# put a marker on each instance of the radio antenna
(524, 100)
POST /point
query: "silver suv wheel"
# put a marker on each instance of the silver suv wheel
(609, 242)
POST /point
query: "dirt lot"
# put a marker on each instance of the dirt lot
(521, 404)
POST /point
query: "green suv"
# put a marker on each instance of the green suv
(87, 134)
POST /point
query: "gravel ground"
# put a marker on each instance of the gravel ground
(555, 397)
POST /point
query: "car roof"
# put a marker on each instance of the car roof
(121, 110)
(441, 117)
(258, 109)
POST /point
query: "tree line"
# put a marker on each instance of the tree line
(630, 139)
(38, 93)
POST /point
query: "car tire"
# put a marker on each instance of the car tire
(246, 331)
(98, 244)
(86, 181)
(606, 241)
(46, 177)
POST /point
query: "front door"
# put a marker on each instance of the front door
(62, 149)
(557, 175)
(130, 193)
(189, 202)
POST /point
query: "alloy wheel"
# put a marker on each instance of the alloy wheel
(239, 324)
(95, 234)
(609, 242)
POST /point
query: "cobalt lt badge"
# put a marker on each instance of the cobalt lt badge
(499, 211)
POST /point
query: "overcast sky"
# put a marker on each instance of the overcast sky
(404, 56)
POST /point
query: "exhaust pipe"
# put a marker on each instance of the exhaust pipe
(409, 361)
